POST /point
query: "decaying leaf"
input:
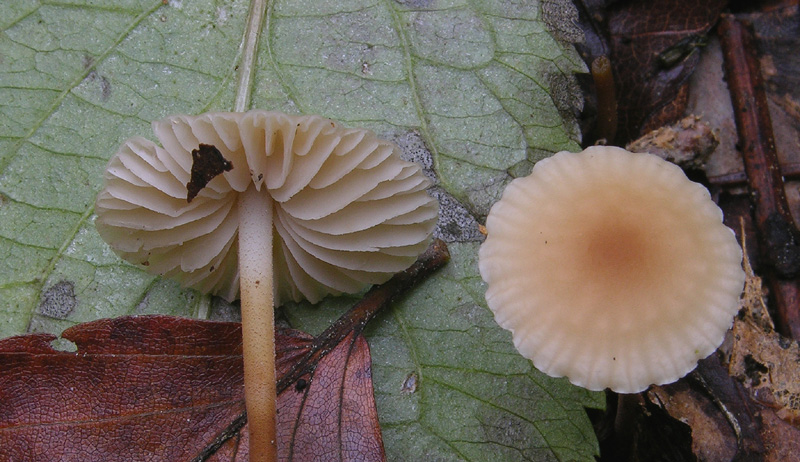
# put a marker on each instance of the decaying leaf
(652, 47)
(167, 388)
(765, 362)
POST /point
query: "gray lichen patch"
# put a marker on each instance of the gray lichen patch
(58, 300)
(567, 96)
(413, 149)
(455, 224)
(561, 18)
(222, 310)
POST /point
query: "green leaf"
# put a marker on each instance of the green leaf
(478, 90)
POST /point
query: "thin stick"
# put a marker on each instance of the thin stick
(357, 317)
(258, 326)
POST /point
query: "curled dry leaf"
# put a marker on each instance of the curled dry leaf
(165, 388)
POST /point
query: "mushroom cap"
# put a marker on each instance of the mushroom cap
(348, 211)
(611, 268)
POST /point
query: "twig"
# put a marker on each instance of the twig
(790, 171)
(356, 318)
(777, 229)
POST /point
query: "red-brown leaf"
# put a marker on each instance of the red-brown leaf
(165, 388)
(323, 416)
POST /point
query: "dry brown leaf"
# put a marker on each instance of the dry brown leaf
(166, 388)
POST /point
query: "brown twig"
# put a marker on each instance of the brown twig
(356, 318)
(777, 231)
(790, 171)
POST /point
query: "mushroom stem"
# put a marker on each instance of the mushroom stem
(258, 325)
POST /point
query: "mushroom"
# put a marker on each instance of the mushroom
(346, 210)
(611, 268)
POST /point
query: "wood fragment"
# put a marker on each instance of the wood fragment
(777, 229)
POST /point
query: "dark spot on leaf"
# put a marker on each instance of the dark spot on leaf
(105, 88)
(211, 270)
(503, 429)
(59, 300)
(207, 163)
(409, 384)
(416, 4)
(105, 84)
(300, 385)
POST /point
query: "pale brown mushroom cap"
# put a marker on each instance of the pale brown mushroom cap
(348, 212)
(611, 268)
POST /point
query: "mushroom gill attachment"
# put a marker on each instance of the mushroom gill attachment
(611, 268)
(347, 211)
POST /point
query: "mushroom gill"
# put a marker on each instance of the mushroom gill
(348, 211)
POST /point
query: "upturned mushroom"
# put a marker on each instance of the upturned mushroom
(611, 268)
(201, 208)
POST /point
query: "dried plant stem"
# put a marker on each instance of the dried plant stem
(247, 66)
(258, 325)
(777, 230)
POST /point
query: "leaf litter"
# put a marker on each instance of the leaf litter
(144, 385)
